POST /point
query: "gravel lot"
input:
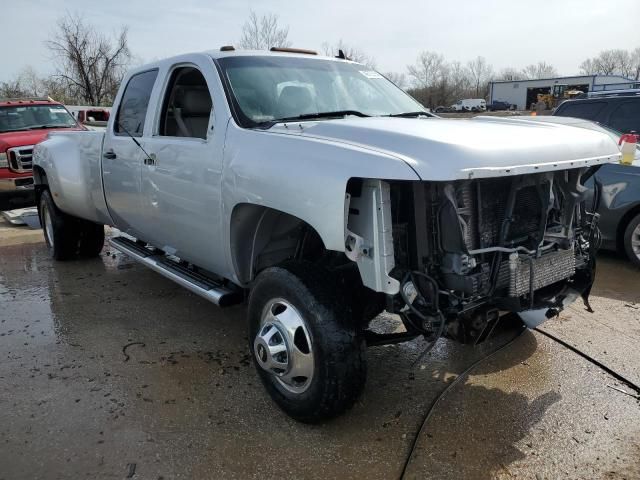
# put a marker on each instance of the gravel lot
(110, 371)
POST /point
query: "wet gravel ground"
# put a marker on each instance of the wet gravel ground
(107, 370)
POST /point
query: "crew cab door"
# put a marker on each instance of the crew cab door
(181, 177)
(122, 158)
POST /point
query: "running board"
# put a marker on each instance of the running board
(192, 281)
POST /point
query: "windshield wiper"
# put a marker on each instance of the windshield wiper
(310, 116)
(409, 114)
(38, 127)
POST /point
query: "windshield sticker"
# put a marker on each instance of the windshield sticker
(370, 74)
(56, 110)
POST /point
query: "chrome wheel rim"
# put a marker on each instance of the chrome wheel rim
(283, 346)
(635, 241)
(48, 225)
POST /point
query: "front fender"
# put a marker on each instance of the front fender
(304, 177)
(71, 163)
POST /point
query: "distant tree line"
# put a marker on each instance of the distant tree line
(90, 65)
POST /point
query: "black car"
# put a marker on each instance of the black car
(498, 105)
(619, 111)
(620, 184)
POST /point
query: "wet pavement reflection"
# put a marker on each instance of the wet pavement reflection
(106, 365)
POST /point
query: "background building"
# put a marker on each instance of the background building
(524, 92)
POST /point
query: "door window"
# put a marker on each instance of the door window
(133, 106)
(626, 117)
(187, 105)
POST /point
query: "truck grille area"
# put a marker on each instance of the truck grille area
(21, 159)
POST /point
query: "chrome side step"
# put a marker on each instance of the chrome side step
(192, 281)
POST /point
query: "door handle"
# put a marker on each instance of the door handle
(110, 154)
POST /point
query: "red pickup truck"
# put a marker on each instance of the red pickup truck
(23, 123)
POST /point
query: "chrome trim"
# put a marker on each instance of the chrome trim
(219, 295)
(20, 158)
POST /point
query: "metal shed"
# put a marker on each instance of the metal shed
(523, 92)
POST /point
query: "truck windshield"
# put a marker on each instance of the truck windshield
(31, 117)
(266, 89)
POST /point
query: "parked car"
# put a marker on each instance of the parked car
(325, 194)
(470, 105)
(93, 118)
(23, 123)
(620, 184)
(617, 111)
(498, 105)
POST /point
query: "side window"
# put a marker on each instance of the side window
(626, 117)
(133, 106)
(187, 105)
(588, 111)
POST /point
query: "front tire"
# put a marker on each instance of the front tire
(304, 342)
(68, 237)
(631, 240)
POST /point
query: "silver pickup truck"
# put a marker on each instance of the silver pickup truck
(323, 194)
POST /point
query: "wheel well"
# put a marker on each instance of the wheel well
(40, 182)
(626, 218)
(262, 237)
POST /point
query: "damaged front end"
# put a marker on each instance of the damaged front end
(453, 257)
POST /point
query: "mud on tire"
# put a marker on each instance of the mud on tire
(339, 365)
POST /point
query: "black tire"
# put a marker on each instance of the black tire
(337, 348)
(68, 237)
(91, 240)
(631, 236)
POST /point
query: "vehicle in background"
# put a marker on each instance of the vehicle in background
(470, 105)
(324, 194)
(620, 112)
(619, 207)
(498, 105)
(94, 118)
(24, 123)
(558, 95)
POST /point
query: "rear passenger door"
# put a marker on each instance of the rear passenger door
(122, 158)
(181, 179)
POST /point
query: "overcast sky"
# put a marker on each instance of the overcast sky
(509, 33)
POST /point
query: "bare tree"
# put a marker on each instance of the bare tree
(262, 33)
(480, 72)
(459, 81)
(400, 79)
(635, 63)
(351, 52)
(539, 70)
(510, 74)
(613, 62)
(428, 69)
(90, 64)
(13, 89)
(588, 67)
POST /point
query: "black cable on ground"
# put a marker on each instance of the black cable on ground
(458, 379)
(592, 360)
(463, 375)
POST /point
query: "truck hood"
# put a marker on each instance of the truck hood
(26, 137)
(448, 149)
